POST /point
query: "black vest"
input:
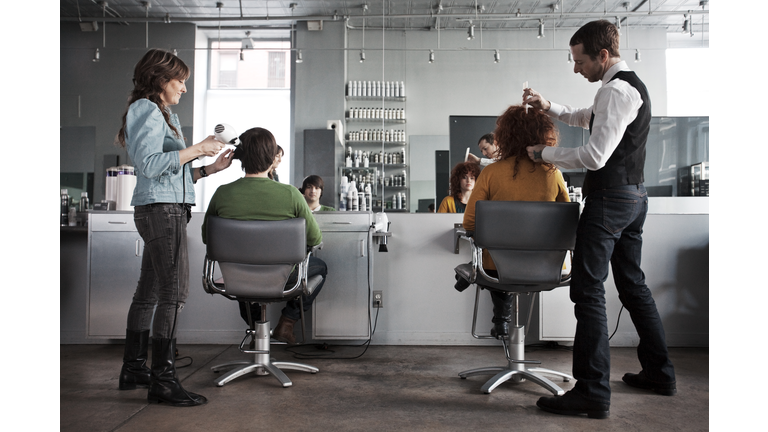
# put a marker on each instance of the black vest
(625, 166)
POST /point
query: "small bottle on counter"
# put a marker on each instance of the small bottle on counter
(64, 207)
(72, 219)
(84, 203)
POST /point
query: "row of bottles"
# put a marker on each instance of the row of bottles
(364, 159)
(69, 208)
(376, 88)
(377, 113)
(377, 135)
(360, 197)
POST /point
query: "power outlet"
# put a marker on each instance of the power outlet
(378, 299)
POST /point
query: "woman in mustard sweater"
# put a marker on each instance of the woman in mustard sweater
(463, 177)
(515, 178)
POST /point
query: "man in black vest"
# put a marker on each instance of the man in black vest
(611, 224)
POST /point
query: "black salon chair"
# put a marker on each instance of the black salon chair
(528, 242)
(256, 259)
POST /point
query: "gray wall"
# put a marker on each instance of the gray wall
(463, 80)
(102, 88)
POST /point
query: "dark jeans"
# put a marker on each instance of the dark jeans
(292, 307)
(164, 278)
(610, 232)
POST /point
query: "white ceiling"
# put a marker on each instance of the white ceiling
(396, 14)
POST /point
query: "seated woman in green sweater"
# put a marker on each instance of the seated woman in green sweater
(312, 189)
(257, 197)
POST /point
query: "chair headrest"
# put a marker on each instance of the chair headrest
(526, 225)
(256, 242)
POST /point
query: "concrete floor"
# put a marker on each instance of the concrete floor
(389, 388)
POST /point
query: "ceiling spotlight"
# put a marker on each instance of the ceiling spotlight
(362, 56)
(242, 57)
(496, 56)
(471, 31)
(176, 53)
(431, 56)
(637, 55)
(96, 56)
(618, 24)
(299, 58)
(541, 29)
(570, 57)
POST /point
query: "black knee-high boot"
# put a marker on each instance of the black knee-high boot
(135, 373)
(502, 313)
(164, 386)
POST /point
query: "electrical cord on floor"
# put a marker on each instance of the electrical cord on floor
(327, 348)
(618, 320)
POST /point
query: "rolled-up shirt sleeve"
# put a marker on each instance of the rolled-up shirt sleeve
(616, 106)
(145, 133)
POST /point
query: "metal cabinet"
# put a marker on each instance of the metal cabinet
(114, 264)
(341, 310)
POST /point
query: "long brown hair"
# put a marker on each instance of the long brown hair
(150, 76)
(458, 172)
(516, 130)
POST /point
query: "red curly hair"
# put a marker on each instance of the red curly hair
(458, 172)
(516, 130)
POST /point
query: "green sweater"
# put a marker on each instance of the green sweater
(256, 198)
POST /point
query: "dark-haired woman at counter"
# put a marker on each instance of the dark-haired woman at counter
(162, 201)
(515, 178)
(463, 177)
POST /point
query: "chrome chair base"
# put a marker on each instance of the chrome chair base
(504, 374)
(262, 363)
(516, 370)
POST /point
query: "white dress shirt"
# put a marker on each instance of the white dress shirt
(615, 106)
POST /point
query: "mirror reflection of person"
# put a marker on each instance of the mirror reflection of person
(162, 201)
(488, 148)
(514, 177)
(256, 197)
(312, 189)
(278, 159)
(609, 234)
(463, 177)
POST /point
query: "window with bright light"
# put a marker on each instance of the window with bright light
(688, 82)
(246, 92)
(264, 66)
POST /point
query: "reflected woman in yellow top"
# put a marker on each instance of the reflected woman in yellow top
(463, 178)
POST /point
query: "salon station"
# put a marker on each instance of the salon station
(381, 100)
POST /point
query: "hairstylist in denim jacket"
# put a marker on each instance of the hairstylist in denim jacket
(162, 198)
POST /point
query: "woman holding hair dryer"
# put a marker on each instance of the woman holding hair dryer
(162, 203)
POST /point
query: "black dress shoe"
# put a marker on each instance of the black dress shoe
(573, 404)
(641, 381)
(461, 283)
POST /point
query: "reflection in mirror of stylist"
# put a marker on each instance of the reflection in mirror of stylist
(489, 148)
(278, 159)
(312, 189)
(162, 201)
(462, 182)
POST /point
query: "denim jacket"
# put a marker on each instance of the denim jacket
(154, 150)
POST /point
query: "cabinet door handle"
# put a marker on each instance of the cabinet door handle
(118, 222)
(362, 248)
(138, 242)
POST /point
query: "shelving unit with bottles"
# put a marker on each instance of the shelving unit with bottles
(376, 156)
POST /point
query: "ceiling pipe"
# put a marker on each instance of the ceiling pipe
(458, 16)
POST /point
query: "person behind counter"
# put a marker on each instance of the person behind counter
(462, 182)
(256, 197)
(162, 199)
(514, 177)
(609, 234)
(278, 159)
(488, 148)
(312, 189)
